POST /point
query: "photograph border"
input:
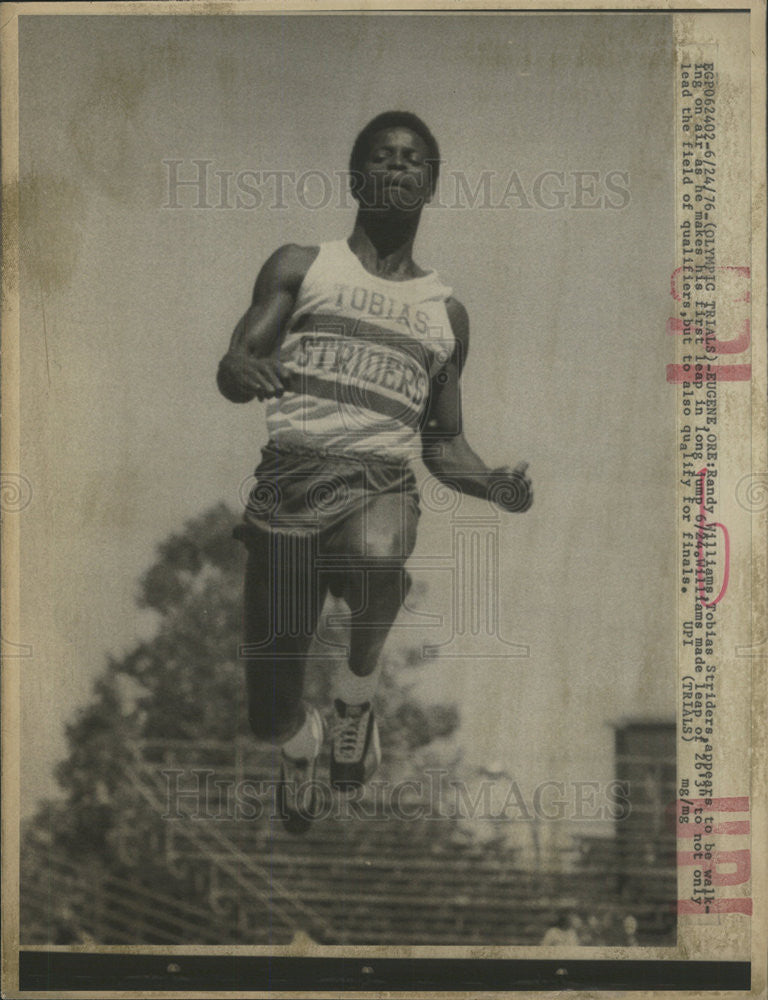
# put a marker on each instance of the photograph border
(303, 967)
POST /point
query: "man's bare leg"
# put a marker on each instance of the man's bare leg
(283, 597)
(376, 542)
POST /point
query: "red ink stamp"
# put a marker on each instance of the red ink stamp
(733, 280)
(712, 867)
(702, 541)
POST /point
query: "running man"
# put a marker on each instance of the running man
(358, 352)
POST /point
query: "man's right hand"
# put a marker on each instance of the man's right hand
(242, 378)
(250, 368)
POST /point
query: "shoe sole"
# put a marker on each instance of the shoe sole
(293, 821)
(299, 822)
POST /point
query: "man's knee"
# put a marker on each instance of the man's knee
(383, 532)
(373, 547)
(380, 542)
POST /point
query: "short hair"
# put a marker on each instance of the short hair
(395, 119)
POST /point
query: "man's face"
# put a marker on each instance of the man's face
(397, 174)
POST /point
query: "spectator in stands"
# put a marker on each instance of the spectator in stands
(629, 928)
(593, 930)
(565, 930)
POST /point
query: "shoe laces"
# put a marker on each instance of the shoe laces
(349, 730)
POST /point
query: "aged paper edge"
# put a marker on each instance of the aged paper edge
(12, 464)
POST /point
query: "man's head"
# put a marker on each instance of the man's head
(395, 145)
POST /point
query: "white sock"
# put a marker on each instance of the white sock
(306, 743)
(354, 690)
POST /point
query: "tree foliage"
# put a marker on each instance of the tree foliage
(186, 684)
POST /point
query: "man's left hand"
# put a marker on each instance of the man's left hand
(511, 489)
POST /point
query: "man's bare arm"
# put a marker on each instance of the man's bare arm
(250, 368)
(445, 450)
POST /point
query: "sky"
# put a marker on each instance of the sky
(130, 289)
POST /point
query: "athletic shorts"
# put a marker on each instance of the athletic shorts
(308, 491)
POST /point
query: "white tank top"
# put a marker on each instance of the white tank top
(364, 349)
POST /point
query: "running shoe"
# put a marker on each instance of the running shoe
(356, 752)
(297, 789)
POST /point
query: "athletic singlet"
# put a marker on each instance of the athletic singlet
(363, 350)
